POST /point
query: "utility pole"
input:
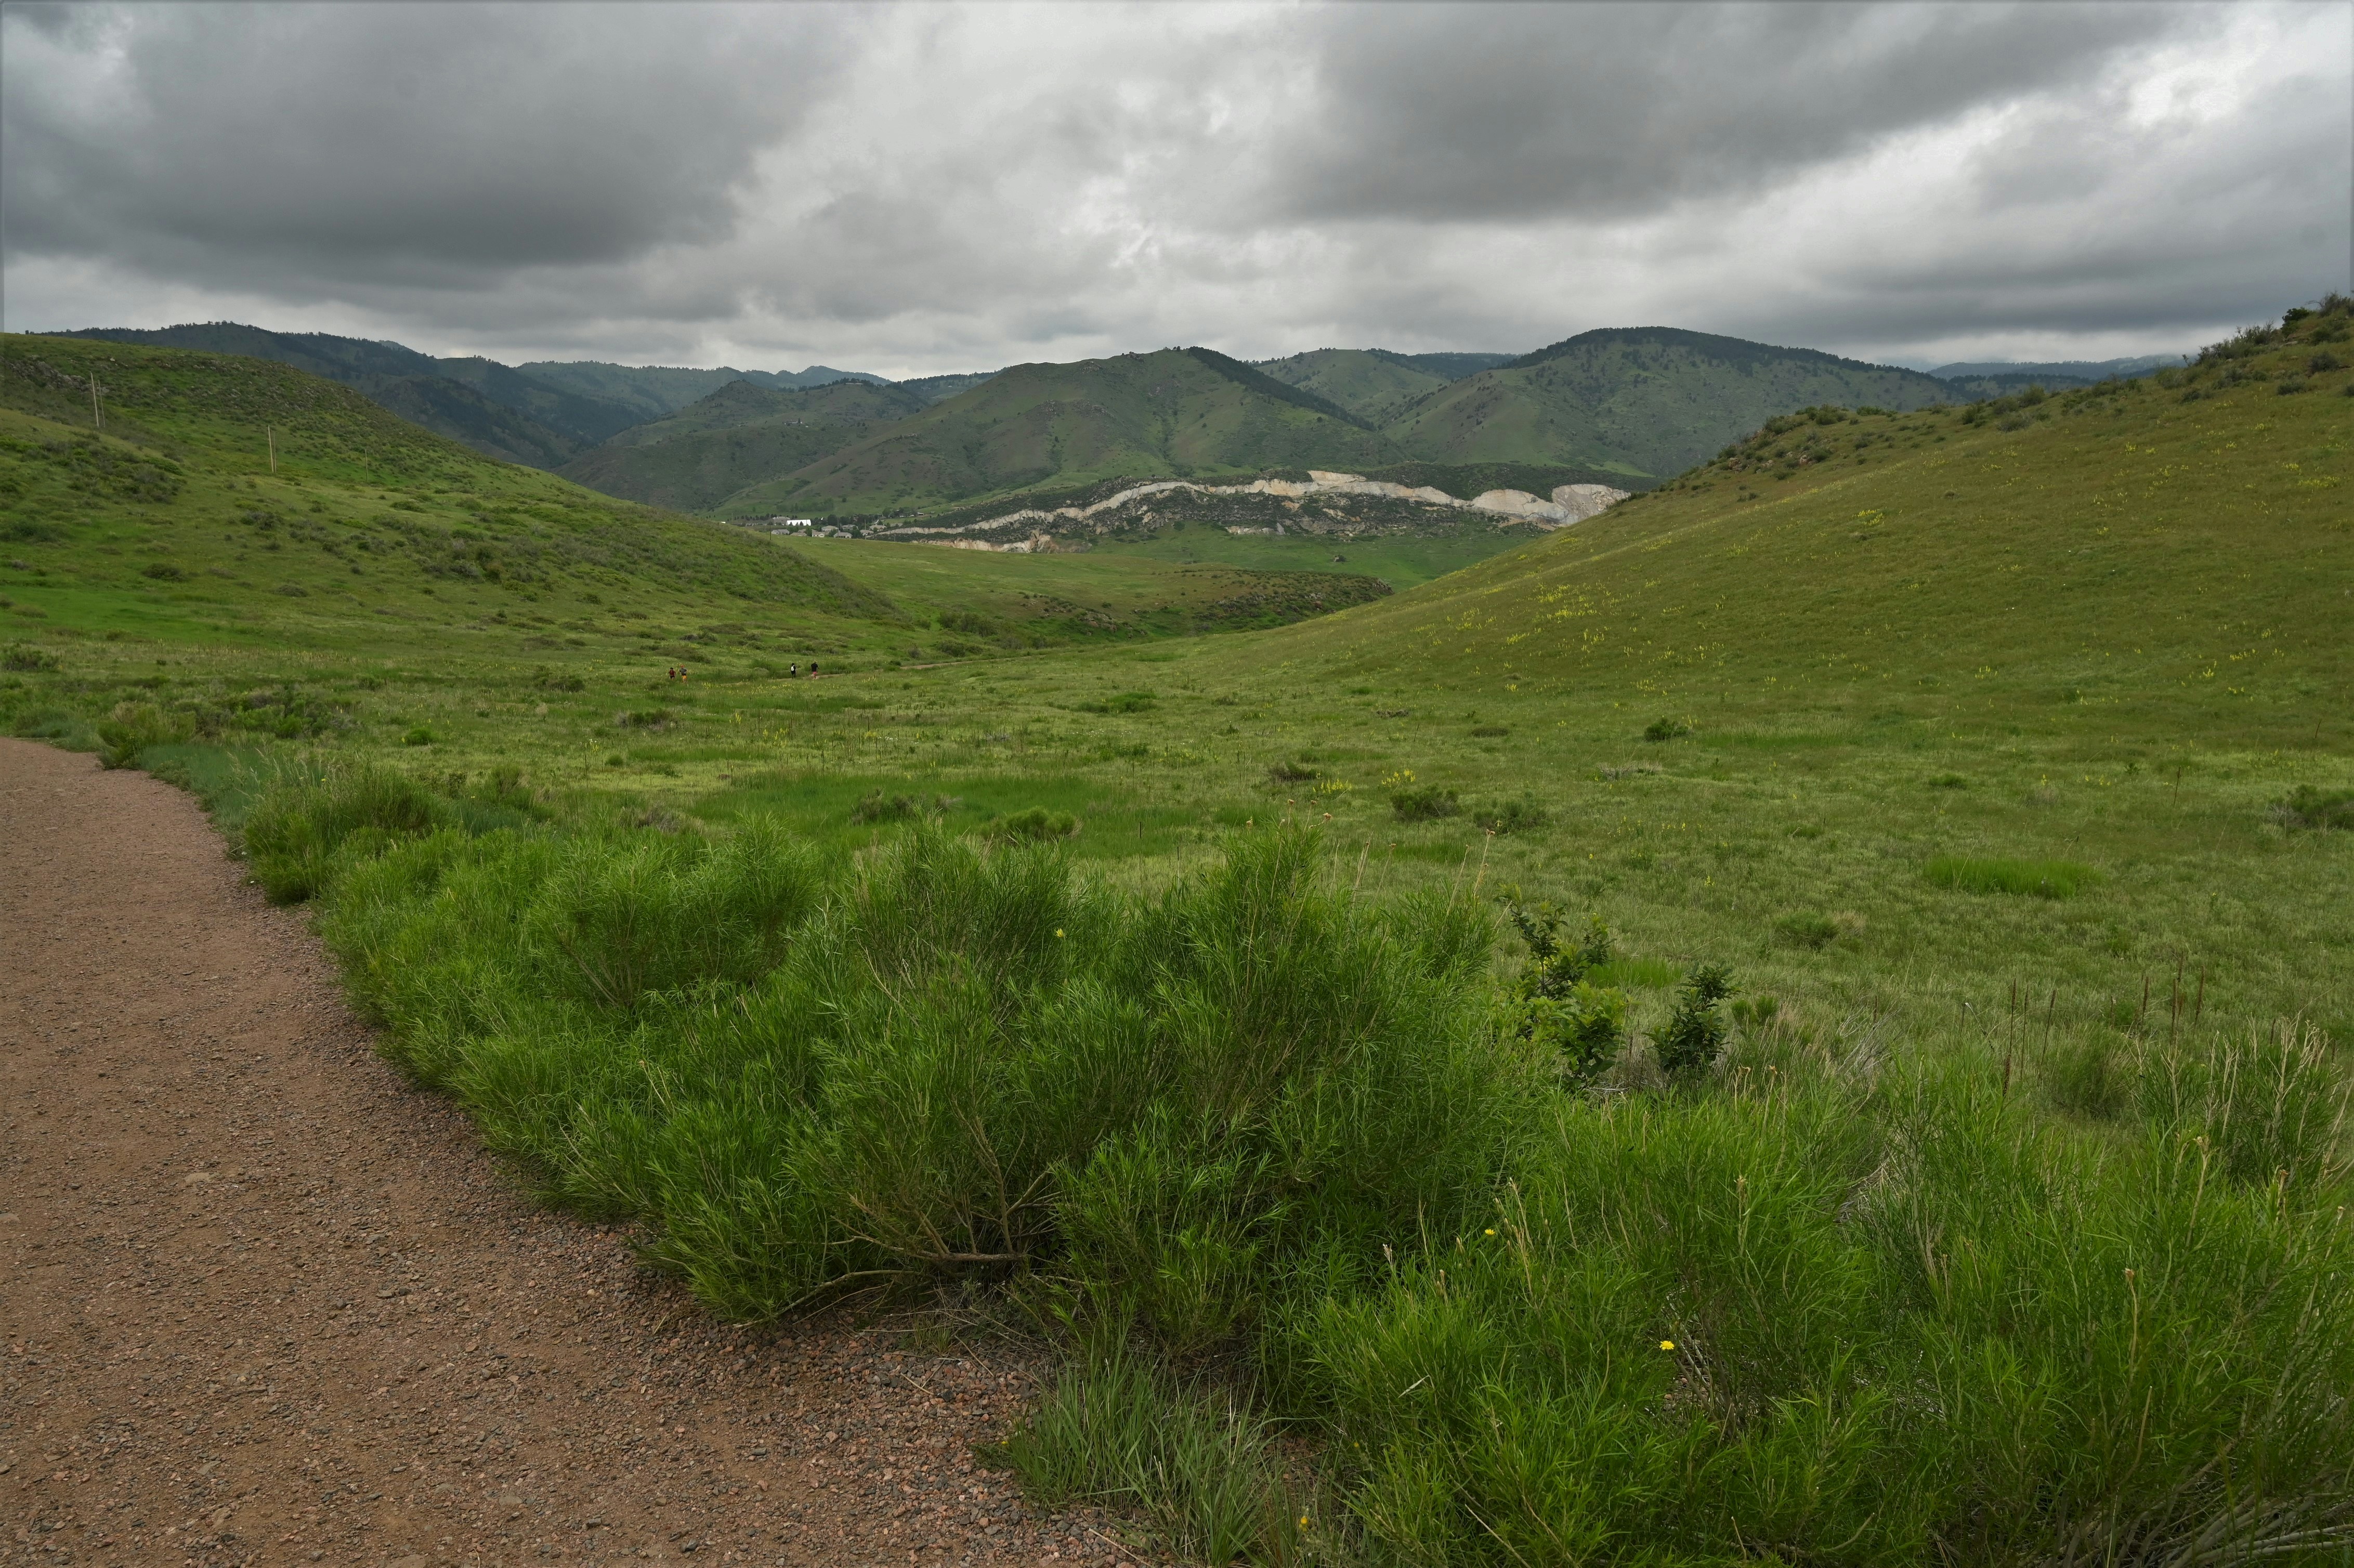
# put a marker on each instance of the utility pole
(273, 429)
(97, 417)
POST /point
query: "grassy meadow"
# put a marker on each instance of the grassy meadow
(1806, 1019)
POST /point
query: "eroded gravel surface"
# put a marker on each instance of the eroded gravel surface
(261, 1302)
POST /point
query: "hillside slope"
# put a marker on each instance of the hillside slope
(1370, 383)
(1649, 400)
(1174, 413)
(174, 521)
(653, 390)
(497, 411)
(737, 437)
(1375, 384)
(2179, 543)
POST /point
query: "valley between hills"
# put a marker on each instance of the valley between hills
(1803, 1013)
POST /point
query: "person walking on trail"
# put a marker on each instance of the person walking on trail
(797, 670)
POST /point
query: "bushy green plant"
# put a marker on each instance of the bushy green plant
(882, 805)
(1660, 729)
(2308, 806)
(1694, 1035)
(1819, 1320)
(302, 819)
(1807, 930)
(1516, 816)
(944, 1062)
(132, 728)
(23, 658)
(1424, 803)
(1033, 824)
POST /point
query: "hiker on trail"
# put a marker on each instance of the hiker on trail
(796, 670)
(812, 669)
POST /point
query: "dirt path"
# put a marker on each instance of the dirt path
(261, 1303)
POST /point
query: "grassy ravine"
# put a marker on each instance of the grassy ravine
(1998, 1215)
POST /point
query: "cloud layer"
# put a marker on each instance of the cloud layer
(915, 189)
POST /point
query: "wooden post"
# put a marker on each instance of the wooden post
(273, 431)
(97, 417)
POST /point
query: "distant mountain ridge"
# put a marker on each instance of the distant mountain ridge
(542, 415)
(741, 435)
(1623, 406)
(1642, 401)
(2087, 370)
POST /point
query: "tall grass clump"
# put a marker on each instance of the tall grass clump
(1298, 1158)
(2040, 878)
(1117, 1431)
(944, 1061)
(1871, 1318)
(306, 814)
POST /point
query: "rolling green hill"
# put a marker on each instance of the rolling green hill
(2170, 547)
(1370, 383)
(1649, 400)
(737, 437)
(1373, 383)
(174, 521)
(499, 412)
(170, 534)
(653, 390)
(1177, 413)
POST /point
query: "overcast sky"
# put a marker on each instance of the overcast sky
(917, 189)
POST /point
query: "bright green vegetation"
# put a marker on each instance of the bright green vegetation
(1843, 1198)
(976, 597)
(696, 458)
(1643, 400)
(1403, 560)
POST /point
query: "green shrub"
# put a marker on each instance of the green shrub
(132, 728)
(1808, 930)
(163, 571)
(301, 820)
(23, 658)
(420, 735)
(1694, 1034)
(877, 806)
(2042, 878)
(1521, 816)
(2307, 805)
(1122, 703)
(1846, 1324)
(939, 1063)
(1292, 773)
(1666, 729)
(1033, 824)
(1426, 803)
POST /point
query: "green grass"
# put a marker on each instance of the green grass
(2042, 879)
(1887, 1229)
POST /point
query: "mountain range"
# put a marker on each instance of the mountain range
(1627, 406)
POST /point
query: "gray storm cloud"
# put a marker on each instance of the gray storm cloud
(921, 188)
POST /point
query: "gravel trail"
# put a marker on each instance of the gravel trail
(261, 1302)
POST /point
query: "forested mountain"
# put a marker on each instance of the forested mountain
(1641, 400)
(738, 435)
